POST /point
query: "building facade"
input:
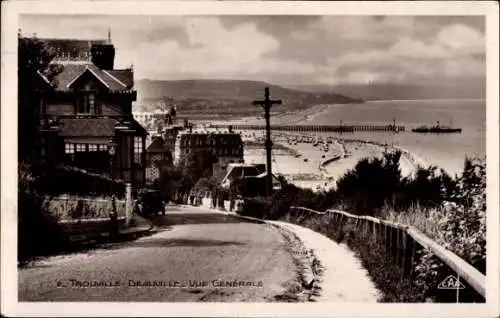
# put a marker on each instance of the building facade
(227, 147)
(86, 111)
(158, 155)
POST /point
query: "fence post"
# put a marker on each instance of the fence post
(387, 235)
(128, 203)
(400, 251)
(391, 241)
(408, 255)
(394, 240)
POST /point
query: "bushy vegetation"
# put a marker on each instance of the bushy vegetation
(461, 227)
(68, 180)
(452, 211)
(372, 187)
(194, 172)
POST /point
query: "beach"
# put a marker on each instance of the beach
(305, 166)
(317, 162)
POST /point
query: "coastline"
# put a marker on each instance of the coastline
(318, 162)
(446, 152)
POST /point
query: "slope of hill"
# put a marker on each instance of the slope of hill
(227, 95)
(405, 91)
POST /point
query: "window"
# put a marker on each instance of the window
(138, 149)
(86, 104)
(80, 148)
(92, 147)
(69, 148)
(103, 148)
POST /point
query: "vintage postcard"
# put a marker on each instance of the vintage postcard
(250, 159)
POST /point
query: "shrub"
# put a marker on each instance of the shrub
(371, 183)
(462, 226)
(256, 207)
(69, 180)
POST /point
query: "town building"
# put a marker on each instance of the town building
(152, 121)
(227, 146)
(250, 173)
(85, 109)
(158, 155)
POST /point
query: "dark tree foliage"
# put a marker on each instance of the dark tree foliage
(198, 164)
(184, 177)
(430, 187)
(33, 57)
(371, 183)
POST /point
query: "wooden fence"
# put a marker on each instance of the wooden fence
(402, 244)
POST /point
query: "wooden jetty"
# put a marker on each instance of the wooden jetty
(317, 128)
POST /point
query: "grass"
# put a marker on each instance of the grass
(386, 276)
(422, 219)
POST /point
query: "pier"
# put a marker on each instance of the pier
(318, 128)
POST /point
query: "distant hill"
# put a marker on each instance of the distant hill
(232, 95)
(404, 91)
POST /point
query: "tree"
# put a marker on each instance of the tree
(198, 164)
(184, 177)
(33, 56)
(371, 184)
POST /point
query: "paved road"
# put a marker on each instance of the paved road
(190, 258)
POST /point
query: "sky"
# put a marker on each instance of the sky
(286, 50)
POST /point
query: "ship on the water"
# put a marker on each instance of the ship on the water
(437, 129)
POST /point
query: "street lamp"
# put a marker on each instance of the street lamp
(113, 214)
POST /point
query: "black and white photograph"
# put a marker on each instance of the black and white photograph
(270, 158)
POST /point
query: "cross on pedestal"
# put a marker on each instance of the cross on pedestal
(267, 104)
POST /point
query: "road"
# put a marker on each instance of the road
(190, 257)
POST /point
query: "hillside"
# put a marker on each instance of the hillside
(223, 96)
(404, 91)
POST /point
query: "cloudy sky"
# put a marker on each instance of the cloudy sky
(288, 50)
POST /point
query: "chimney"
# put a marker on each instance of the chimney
(103, 56)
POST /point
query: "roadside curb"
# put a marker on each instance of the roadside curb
(97, 238)
(123, 234)
(249, 218)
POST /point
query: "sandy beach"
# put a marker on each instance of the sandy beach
(317, 162)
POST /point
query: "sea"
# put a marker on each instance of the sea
(447, 151)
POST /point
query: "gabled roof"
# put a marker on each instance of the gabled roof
(157, 146)
(124, 76)
(114, 80)
(236, 171)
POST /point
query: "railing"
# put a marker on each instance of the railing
(402, 243)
